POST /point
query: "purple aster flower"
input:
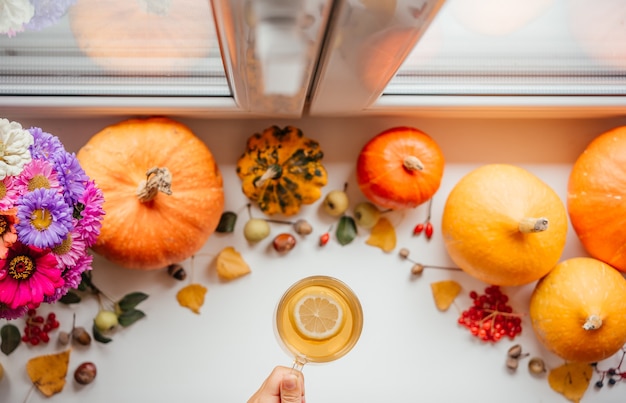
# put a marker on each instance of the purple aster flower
(27, 276)
(47, 13)
(44, 218)
(8, 193)
(45, 144)
(37, 174)
(7, 313)
(71, 176)
(72, 277)
(88, 227)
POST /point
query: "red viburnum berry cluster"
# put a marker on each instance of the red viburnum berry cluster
(490, 318)
(37, 328)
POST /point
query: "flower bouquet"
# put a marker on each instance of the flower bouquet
(50, 214)
(34, 15)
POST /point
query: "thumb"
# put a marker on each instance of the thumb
(290, 389)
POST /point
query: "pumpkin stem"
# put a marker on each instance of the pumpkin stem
(158, 7)
(529, 225)
(273, 172)
(157, 180)
(593, 322)
(412, 163)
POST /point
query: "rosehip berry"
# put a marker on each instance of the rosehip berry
(428, 230)
(418, 229)
(324, 239)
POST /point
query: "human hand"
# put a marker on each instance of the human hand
(283, 385)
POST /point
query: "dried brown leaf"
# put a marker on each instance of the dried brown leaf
(230, 264)
(383, 235)
(192, 297)
(444, 293)
(571, 380)
(48, 372)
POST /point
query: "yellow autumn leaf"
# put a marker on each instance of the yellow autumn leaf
(571, 380)
(47, 372)
(192, 297)
(383, 235)
(444, 293)
(230, 264)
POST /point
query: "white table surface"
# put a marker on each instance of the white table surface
(408, 350)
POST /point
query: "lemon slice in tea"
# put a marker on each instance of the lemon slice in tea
(318, 316)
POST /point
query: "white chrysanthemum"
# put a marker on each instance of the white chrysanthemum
(14, 14)
(14, 144)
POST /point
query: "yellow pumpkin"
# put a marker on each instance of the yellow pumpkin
(578, 310)
(281, 170)
(162, 188)
(503, 225)
(143, 35)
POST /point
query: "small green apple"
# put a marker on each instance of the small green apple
(366, 214)
(106, 320)
(256, 229)
(336, 202)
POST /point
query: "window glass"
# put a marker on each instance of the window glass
(519, 47)
(109, 47)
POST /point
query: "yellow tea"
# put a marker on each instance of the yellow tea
(319, 319)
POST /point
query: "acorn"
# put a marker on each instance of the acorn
(177, 271)
(536, 366)
(302, 227)
(81, 336)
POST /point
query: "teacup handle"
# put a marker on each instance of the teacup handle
(298, 364)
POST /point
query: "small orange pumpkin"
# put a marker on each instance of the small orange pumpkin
(503, 225)
(400, 168)
(578, 311)
(143, 35)
(136, 163)
(596, 196)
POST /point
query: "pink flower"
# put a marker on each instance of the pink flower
(8, 193)
(8, 234)
(37, 174)
(27, 276)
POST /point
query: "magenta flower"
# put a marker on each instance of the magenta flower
(72, 277)
(27, 276)
(8, 193)
(90, 222)
(8, 234)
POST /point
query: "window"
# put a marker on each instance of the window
(112, 48)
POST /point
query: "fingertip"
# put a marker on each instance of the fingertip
(290, 382)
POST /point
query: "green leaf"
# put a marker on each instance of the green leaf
(78, 210)
(86, 282)
(227, 222)
(129, 317)
(70, 298)
(130, 301)
(10, 338)
(346, 230)
(98, 336)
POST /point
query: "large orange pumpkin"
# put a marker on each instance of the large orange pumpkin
(400, 168)
(503, 225)
(163, 191)
(596, 198)
(143, 35)
(578, 311)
